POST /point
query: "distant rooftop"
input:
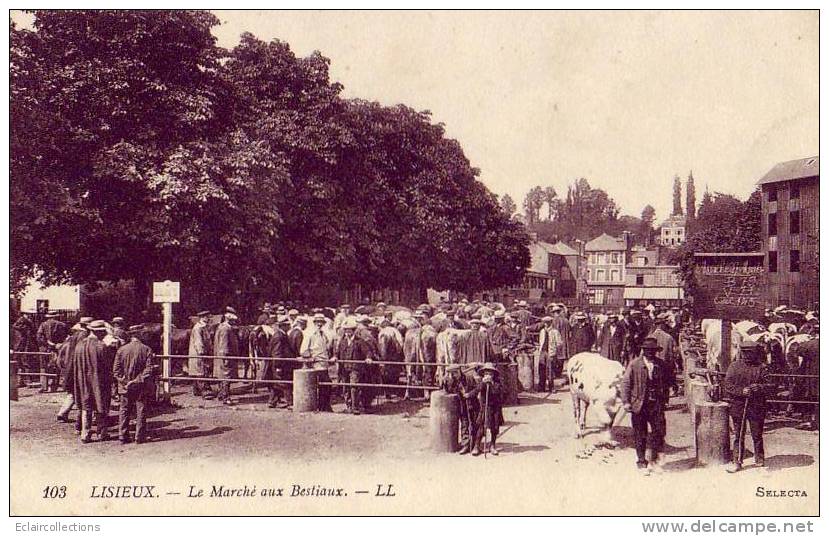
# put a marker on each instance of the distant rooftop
(605, 242)
(793, 170)
(559, 248)
(675, 220)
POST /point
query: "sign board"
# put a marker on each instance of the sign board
(730, 286)
(166, 292)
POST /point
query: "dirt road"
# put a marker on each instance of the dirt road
(542, 469)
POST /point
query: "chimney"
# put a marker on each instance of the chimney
(628, 239)
(580, 247)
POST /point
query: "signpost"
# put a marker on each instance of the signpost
(730, 286)
(166, 293)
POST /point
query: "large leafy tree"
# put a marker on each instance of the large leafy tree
(141, 150)
(508, 205)
(724, 224)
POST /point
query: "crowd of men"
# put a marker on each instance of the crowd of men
(96, 361)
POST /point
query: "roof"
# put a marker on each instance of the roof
(675, 220)
(792, 170)
(605, 242)
(559, 248)
(732, 254)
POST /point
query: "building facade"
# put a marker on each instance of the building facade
(790, 232)
(552, 275)
(606, 258)
(672, 231)
(648, 280)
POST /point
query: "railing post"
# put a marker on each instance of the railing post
(306, 382)
(166, 344)
(443, 421)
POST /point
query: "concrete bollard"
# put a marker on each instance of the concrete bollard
(443, 421)
(690, 368)
(698, 394)
(14, 380)
(306, 382)
(711, 433)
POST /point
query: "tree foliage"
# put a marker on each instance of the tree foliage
(508, 205)
(140, 150)
(677, 210)
(724, 224)
(690, 199)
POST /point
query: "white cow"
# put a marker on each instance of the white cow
(596, 381)
(713, 345)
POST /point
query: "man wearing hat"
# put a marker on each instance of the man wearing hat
(635, 330)
(582, 336)
(118, 330)
(317, 349)
(134, 369)
(353, 355)
(500, 337)
(279, 347)
(549, 346)
(668, 347)
(92, 381)
(50, 334)
(488, 394)
(745, 386)
(66, 358)
(200, 345)
(262, 319)
(611, 339)
(345, 312)
(478, 348)
(644, 395)
(226, 343)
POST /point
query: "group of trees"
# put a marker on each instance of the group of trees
(584, 213)
(723, 223)
(140, 150)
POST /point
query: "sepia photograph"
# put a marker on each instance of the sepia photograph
(414, 263)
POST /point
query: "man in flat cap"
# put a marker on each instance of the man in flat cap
(200, 345)
(50, 334)
(644, 395)
(745, 385)
(134, 369)
(66, 361)
(92, 381)
(226, 343)
(353, 356)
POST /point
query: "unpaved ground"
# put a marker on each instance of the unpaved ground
(542, 469)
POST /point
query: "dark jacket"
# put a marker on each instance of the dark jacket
(612, 346)
(355, 349)
(581, 338)
(741, 375)
(134, 365)
(635, 384)
(50, 334)
(66, 359)
(92, 373)
(279, 346)
(489, 402)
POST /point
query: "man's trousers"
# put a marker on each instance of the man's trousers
(651, 414)
(754, 422)
(139, 403)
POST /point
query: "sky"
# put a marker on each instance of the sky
(626, 100)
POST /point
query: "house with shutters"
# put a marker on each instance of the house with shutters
(606, 258)
(790, 232)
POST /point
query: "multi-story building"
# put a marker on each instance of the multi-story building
(648, 279)
(789, 230)
(607, 257)
(672, 231)
(552, 274)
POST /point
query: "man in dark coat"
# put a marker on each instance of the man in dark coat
(353, 348)
(582, 336)
(487, 391)
(644, 395)
(635, 330)
(118, 330)
(265, 315)
(199, 345)
(226, 343)
(51, 333)
(279, 346)
(611, 340)
(500, 338)
(23, 340)
(668, 352)
(134, 369)
(745, 385)
(66, 361)
(92, 381)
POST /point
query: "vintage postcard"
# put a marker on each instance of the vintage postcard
(414, 263)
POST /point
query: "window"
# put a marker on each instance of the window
(614, 258)
(640, 280)
(794, 222)
(597, 297)
(600, 275)
(794, 191)
(794, 260)
(614, 275)
(600, 258)
(773, 224)
(772, 194)
(772, 261)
